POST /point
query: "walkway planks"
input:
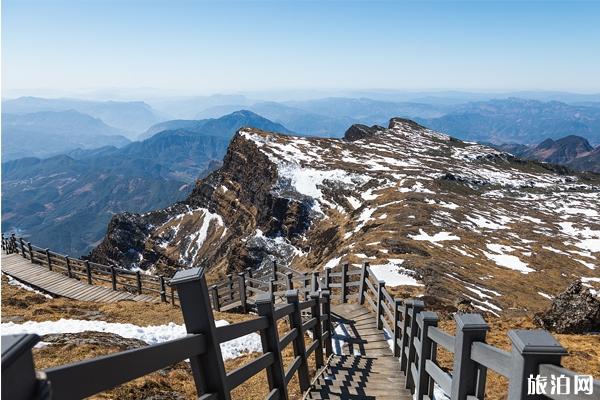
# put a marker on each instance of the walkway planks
(364, 366)
(60, 285)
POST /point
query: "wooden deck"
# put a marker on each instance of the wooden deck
(57, 284)
(364, 366)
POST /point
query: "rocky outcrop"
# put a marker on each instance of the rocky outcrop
(359, 131)
(576, 310)
(93, 338)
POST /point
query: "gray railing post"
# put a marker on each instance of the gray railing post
(397, 327)
(242, 289)
(22, 248)
(19, 380)
(317, 330)
(363, 284)
(215, 298)
(295, 320)
(274, 271)
(272, 289)
(379, 311)
(305, 284)
(138, 277)
(327, 325)
(163, 289)
(230, 285)
(249, 275)
(529, 350)
(406, 307)
(327, 279)
(468, 377)
(48, 261)
(113, 277)
(289, 283)
(314, 285)
(417, 307)
(270, 344)
(68, 262)
(208, 368)
(424, 385)
(30, 248)
(344, 278)
(13, 243)
(88, 271)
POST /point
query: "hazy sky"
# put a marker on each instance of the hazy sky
(205, 47)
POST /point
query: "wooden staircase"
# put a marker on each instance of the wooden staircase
(364, 366)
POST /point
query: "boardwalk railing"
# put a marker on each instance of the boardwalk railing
(416, 337)
(201, 346)
(304, 299)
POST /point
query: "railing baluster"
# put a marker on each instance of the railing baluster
(327, 279)
(327, 324)
(30, 248)
(208, 368)
(468, 377)
(295, 321)
(242, 289)
(68, 262)
(48, 261)
(363, 283)
(397, 328)
(215, 298)
(379, 311)
(424, 384)
(314, 285)
(22, 248)
(270, 343)
(113, 277)
(289, 283)
(163, 289)
(317, 330)
(417, 307)
(230, 285)
(88, 271)
(344, 278)
(138, 277)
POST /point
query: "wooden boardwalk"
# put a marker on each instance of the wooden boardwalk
(60, 285)
(364, 366)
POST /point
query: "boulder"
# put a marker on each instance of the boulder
(576, 310)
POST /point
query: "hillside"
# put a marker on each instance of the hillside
(572, 151)
(446, 219)
(65, 202)
(47, 133)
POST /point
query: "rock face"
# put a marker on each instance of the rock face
(93, 338)
(435, 215)
(576, 310)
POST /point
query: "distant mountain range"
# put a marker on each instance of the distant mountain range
(519, 121)
(65, 202)
(572, 151)
(47, 133)
(130, 118)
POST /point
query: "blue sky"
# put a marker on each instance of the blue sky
(226, 46)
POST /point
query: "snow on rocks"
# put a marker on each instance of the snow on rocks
(394, 275)
(506, 260)
(149, 334)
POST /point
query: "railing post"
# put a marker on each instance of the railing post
(30, 248)
(314, 285)
(406, 307)
(163, 289)
(68, 262)
(272, 289)
(230, 285)
(242, 289)
(208, 368)
(305, 284)
(270, 344)
(327, 325)
(397, 327)
(48, 261)
(215, 298)
(344, 278)
(274, 271)
(18, 372)
(295, 320)
(3, 246)
(88, 271)
(317, 330)
(468, 377)
(424, 385)
(380, 286)
(172, 294)
(113, 277)
(138, 277)
(363, 284)
(22, 248)
(327, 279)
(13, 243)
(289, 283)
(529, 350)
(417, 307)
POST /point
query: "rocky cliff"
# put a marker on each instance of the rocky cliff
(437, 217)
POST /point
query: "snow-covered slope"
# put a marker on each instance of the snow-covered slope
(440, 217)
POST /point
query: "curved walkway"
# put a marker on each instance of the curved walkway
(60, 285)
